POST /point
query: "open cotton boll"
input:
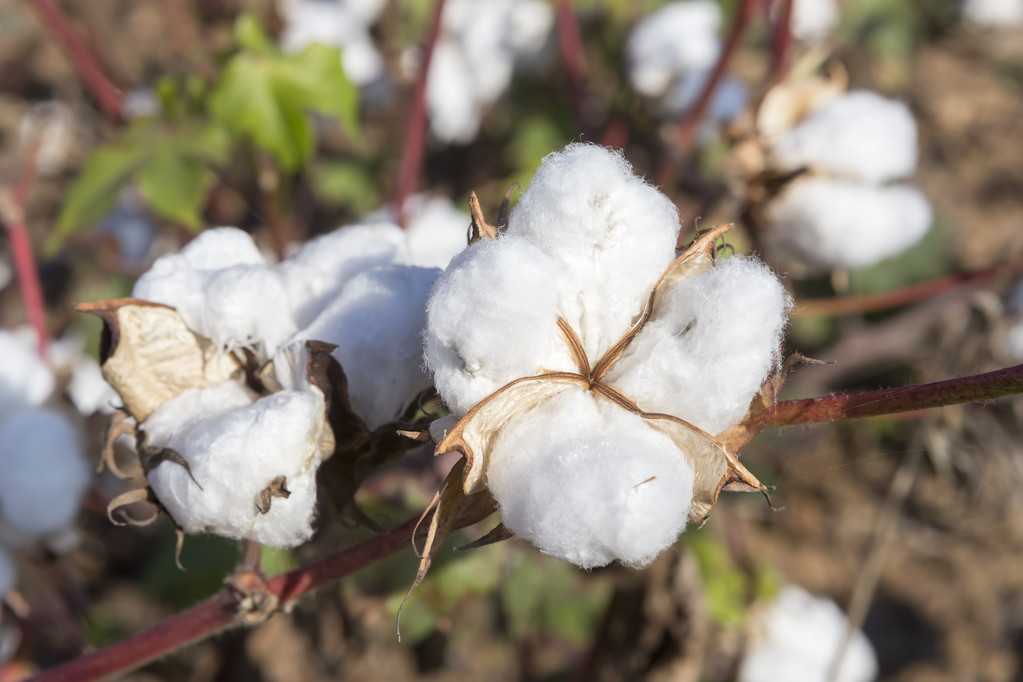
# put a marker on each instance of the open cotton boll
(318, 271)
(800, 636)
(993, 13)
(710, 347)
(246, 307)
(859, 135)
(610, 234)
(43, 471)
(455, 115)
(679, 37)
(492, 317)
(25, 380)
(590, 483)
(377, 323)
(826, 223)
(813, 20)
(235, 449)
(221, 247)
(436, 232)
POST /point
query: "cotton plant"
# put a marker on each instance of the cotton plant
(798, 637)
(473, 61)
(242, 375)
(844, 160)
(670, 54)
(597, 382)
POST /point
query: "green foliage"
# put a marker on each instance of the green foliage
(345, 184)
(266, 95)
(725, 584)
(206, 558)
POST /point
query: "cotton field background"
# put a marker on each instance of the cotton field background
(482, 319)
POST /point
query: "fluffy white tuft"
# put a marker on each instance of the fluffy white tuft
(492, 318)
(338, 24)
(710, 348)
(437, 231)
(675, 39)
(814, 20)
(590, 483)
(235, 448)
(377, 323)
(610, 234)
(829, 223)
(44, 472)
(859, 135)
(801, 635)
(993, 13)
(25, 380)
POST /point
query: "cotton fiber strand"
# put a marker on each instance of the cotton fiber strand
(235, 448)
(492, 317)
(44, 473)
(590, 483)
(377, 323)
(25, 380)
(709, 348)
(835, 223)
(610, 234)
(800, 636)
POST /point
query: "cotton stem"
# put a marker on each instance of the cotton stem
(781, 47)
(572, 54)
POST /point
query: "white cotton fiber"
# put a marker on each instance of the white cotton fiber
(377, 323)
(814, 20)
(678, 37)
(706, 353)
(454, 112)
(436, 232)
(235, 448)
(859, 135)
(609, 233)
(993, 13)
(829, 223)
(25, 380)
(800, 635)
(8, 574)
(590, 483)
(319, 270)
(492, 318)
(344, 25)
(42, 471)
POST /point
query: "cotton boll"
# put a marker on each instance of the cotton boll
(710, 347)
(610, 234)
(860, 135)
(247, 307)
(801, 635)
(531, 24)
(455, 115)
(44, 472)
(993, 13)
(590, 483)
(827, 223)
(492, 317)
(377, 323)
(436, 231)
(319, 270)
(235, 448)
(25, 380)
(679, 37)
(8, 574)
(813, 21)
(221, 247)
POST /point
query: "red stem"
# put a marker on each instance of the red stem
(988, 386)
(687, 128)
(24, 260)
(572, 54)
(917, 292)
(220, 612)
(107, 95)
(782, 40)
(415, 128)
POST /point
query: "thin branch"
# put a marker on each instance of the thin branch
(979, 387)
(107, 95)
(687, 128)
(846, 305)
(574, 57)
(222, 611)
(21, 252)
(415, 128)
(781, 47)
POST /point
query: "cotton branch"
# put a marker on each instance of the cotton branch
(571, 45)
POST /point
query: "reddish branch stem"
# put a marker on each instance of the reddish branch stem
(782, 40)
(21, 252)
(574, 57)
(415, 127)
(891, 299)
(220, 612)
(988, 386)
(106, 94)
(687, 128)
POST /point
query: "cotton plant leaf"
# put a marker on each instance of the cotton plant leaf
(149, 355)
(174, 186)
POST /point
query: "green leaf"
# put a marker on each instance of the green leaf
(174, 186)
(249, 34)
(346, 184)
(95, 190)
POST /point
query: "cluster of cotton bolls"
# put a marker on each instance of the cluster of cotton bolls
(993, 13)
(357, 288)
(849, 205)
(343, 24)
(670, 54)
(473, 61)
(43, 473)
(797, 639)
(577, 475)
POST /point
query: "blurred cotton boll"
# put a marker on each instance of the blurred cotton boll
(993, 13)
(797, 639)
(814, 20)
(25, 380)
(336, 23)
